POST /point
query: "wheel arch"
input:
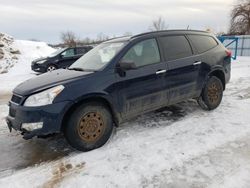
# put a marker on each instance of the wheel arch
(99, 99)
(219, 73)
(51, 63)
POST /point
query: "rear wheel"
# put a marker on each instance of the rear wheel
(212, 94)
(89, 127)
(51, 68)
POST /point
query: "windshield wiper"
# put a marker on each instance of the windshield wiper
(76, 69)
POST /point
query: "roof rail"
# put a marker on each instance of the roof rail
(163, 31)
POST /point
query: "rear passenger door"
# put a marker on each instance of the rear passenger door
(203, 46)
(183, 68)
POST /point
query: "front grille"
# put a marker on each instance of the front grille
(16, 99)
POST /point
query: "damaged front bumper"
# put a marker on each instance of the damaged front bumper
(36, 121)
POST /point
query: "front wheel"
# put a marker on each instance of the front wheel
(212, 94)
(51, 68)
(89, 127)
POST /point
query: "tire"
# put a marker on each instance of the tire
(89, 127)
(212, 94)
(51, 68)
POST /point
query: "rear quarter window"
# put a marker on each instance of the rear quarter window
(175, 47)
(202, 43)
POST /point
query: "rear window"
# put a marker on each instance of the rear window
(175, 47)
(202, 43)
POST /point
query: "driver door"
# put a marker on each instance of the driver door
(142, 89)
(68, 57)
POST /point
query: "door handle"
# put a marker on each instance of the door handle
(160, 72)
(197, 63)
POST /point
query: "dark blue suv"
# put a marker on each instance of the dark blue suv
(120, 79)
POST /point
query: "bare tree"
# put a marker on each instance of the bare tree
(69, 38)
(86, 40)
(240, 18)
(158, 24)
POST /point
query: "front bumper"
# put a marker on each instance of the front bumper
(50, 115)
(38, 68)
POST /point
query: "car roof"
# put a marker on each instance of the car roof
(157, 33)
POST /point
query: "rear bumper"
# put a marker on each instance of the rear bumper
(227, 69)
(51, 116)
(227, 73)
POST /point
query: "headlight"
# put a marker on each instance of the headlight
(44, 97)
(41, 62)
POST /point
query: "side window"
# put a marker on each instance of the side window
(143, 53)
(80, 51)
(202, 43)
(175, 47)
(68, 53)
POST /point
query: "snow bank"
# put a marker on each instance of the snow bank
(20, 69)
(8, 53)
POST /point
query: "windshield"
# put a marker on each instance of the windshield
(98, 57)
(57, 52)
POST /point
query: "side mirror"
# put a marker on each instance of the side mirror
(127, 65)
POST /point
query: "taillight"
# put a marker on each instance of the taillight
(229, 53)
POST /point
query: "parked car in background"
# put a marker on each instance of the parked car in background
(61, 58)
(118, 80)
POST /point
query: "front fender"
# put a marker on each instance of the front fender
(98, 97)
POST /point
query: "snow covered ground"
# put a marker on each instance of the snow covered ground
(180, 146)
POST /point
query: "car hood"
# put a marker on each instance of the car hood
(48, 80)
(40, 59)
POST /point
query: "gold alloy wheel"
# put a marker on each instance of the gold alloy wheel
(214, 93)
(91, 127)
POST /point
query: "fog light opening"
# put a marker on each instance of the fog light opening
(32, 126)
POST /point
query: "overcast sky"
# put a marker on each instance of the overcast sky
(45, 19)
